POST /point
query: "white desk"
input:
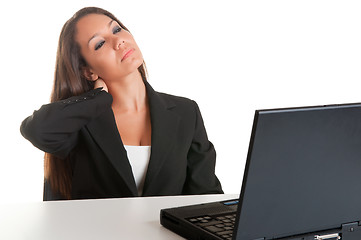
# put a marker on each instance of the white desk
(106, 219)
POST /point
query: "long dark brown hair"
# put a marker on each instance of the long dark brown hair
(69, 81)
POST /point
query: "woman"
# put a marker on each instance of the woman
(106, 132)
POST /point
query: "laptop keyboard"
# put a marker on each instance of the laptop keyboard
(222, 225)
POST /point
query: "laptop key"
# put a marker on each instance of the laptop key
(213, 229)
(212, 222)
(193, 220)
(224, 233)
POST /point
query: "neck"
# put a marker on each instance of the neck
(129, 94)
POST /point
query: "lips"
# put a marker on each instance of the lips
(127, 53)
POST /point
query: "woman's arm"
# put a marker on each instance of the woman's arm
(54, 127)
(201, 178)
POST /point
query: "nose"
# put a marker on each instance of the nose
(119, 44)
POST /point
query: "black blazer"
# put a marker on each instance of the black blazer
(83, 127)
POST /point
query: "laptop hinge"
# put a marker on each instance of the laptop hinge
(351, 231)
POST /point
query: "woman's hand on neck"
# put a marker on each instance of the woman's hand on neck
(100, 83)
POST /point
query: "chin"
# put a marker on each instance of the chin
(136, 63)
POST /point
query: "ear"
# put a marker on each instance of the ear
(89, 74)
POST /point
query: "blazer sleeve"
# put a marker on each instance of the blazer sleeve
(201, 178)
(54, 127)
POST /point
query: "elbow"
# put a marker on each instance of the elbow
(31, 131)
(26, 128)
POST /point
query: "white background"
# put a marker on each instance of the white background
(232, 57)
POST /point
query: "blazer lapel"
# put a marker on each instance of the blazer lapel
(105, 133)
(164, 128)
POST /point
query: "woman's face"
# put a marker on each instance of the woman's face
(110, 51)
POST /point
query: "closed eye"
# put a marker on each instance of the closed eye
(99, 45)
(116, 29)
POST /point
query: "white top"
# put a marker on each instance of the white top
(139, 159)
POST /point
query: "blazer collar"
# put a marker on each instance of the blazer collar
(164, 124)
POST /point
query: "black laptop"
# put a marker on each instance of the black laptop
(302, 181)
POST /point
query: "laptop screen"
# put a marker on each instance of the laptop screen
(303, 172)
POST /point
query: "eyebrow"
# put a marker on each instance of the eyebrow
(109, 24)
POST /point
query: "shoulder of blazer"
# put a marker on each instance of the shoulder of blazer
(168, 101)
